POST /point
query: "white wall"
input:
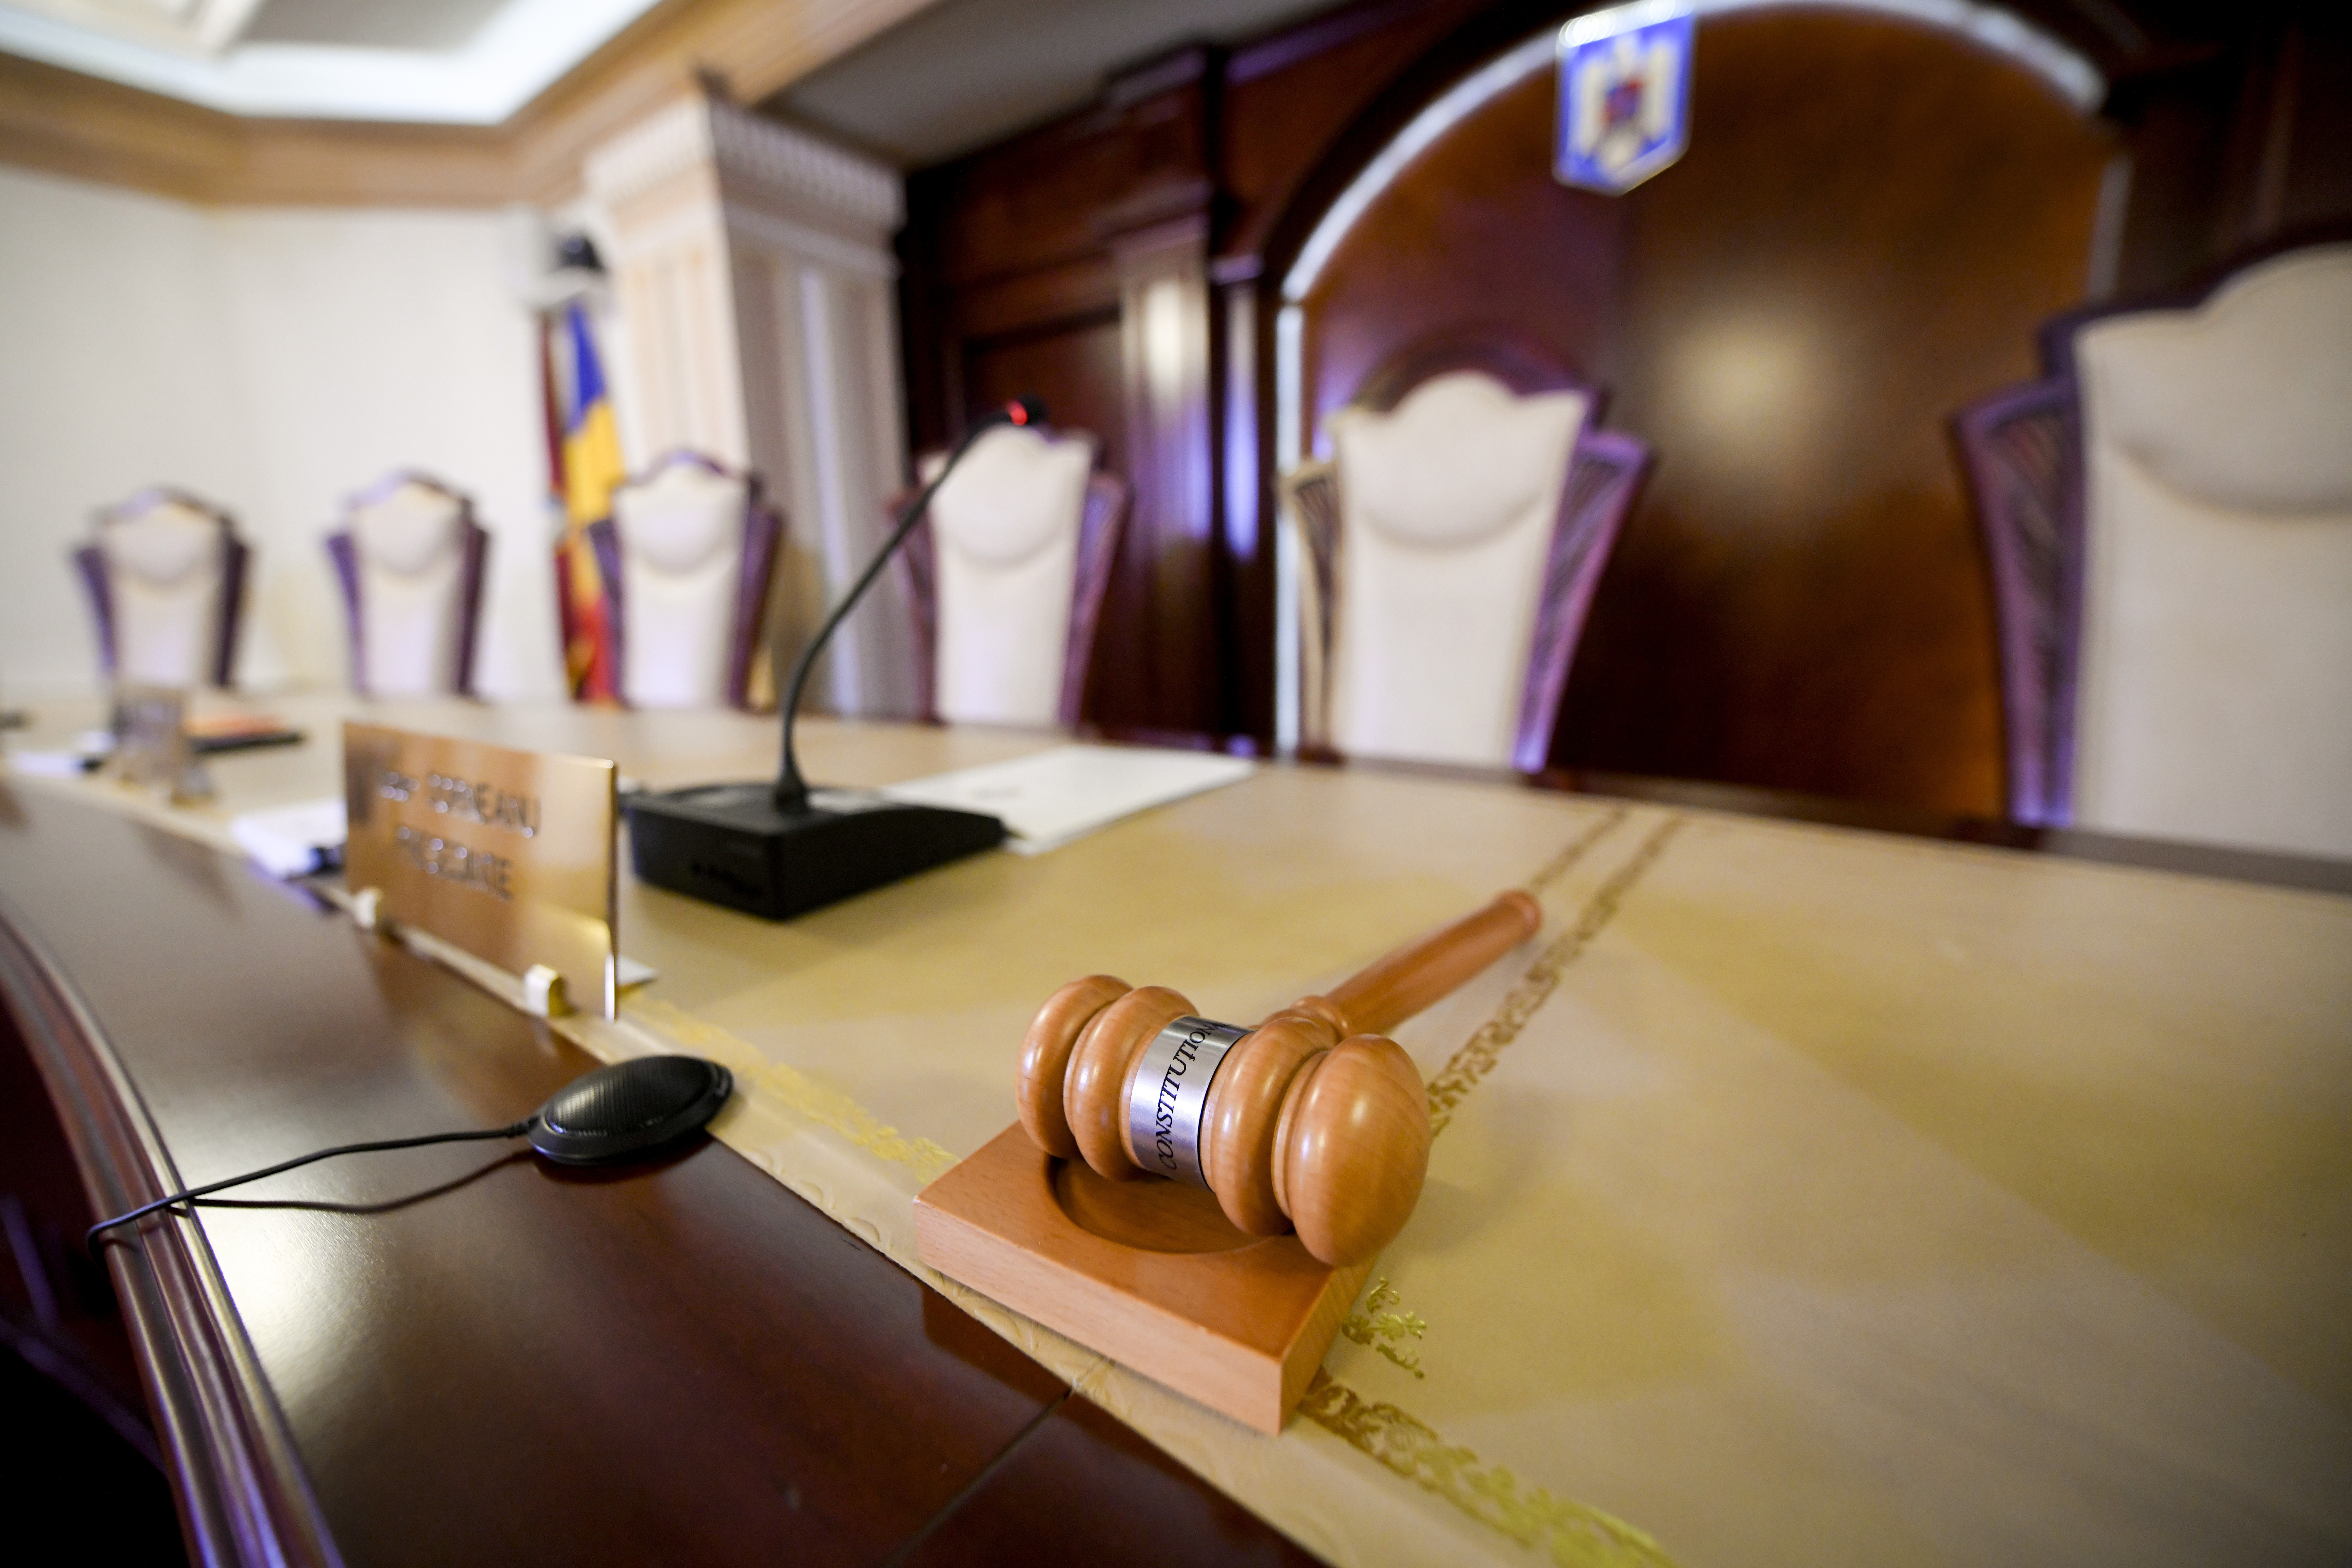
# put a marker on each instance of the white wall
(115, 372)
(272, 362)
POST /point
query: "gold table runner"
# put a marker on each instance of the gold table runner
(1800, 1194)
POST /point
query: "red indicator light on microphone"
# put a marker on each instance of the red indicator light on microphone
(1017, 413)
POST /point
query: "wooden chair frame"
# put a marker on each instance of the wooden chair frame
(89, 565)
(763, 542)
(2022, 460)
(1605, 475)
(344, 551)
(1100, 523)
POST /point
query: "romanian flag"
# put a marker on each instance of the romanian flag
(585, 452)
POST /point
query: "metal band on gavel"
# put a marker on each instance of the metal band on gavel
(1314, 1121)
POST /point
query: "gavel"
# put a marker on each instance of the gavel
(1314, 1121)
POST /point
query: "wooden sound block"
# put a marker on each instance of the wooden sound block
(1149, 1273)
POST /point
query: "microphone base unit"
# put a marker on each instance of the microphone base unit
(729, 845)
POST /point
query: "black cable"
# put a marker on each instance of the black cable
(791, 790)
(517, 1131)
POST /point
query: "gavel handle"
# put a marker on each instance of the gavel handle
(1394, 989)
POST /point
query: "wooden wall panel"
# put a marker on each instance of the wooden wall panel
(2314, 179)
(1786, 315)
(1074, 366)
(1874, 218)
(1477, 235)
(1028, 269)
(1289, 100)
(1824, 282)
(2240, 138)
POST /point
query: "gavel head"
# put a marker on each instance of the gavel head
(1289, 1124)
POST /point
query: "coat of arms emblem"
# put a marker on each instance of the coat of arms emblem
(1624, 94)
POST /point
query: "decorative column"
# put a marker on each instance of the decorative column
(754, 283)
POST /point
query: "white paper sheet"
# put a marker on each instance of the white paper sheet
(50, 764)
(293, 840)
(1052, 797)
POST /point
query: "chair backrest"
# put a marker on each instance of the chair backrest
(687, 558)
(166, 585)
(1453, 541)
(1007, 574)
(410, 560)
(2169, 519)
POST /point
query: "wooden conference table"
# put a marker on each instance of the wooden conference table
(1803, 1193)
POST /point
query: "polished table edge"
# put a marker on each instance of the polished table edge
(1103, 1483)
(237, 1477)
(239, 1486)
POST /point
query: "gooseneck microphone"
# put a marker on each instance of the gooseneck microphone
(791, 790)
(782, 849)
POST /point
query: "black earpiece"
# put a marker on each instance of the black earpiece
(630, 1108)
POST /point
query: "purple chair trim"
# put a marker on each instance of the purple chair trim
(1101, 524)
(918, 565)
(233, 564)
(469, 600)
(90, 561)
(1100, 528)
(344, 555)
(604, 544)
(1604, 479)
(1317, 495)
(344, 551)
(2021, 451)
(763, 533)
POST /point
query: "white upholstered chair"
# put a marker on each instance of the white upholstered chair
(688, 556)
(1007, 574)
(1451, 543)
(2168, 517)
(166, 584)
(409, 558)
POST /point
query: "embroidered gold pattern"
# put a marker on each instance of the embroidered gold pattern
(1376, 1328)
(1560, 864)
(1475, 1060)
(1573, 1534)
(781, 1085)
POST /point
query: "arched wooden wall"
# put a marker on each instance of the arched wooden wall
(1873, 217)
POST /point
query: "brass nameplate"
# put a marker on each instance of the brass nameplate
(507, 854)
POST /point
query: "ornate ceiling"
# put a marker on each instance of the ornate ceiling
(452, 62)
